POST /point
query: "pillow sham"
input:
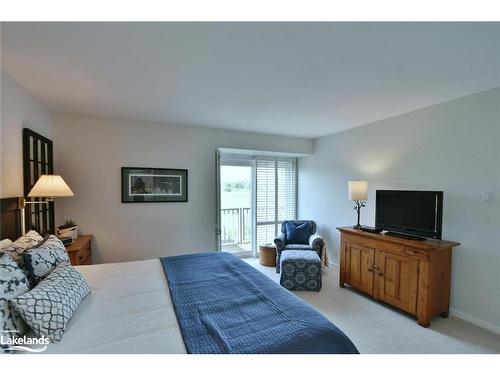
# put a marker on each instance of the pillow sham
(16, 248)
(13, 283)
(39, 261)
(48, 307)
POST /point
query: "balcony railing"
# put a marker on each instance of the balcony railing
(236, 225)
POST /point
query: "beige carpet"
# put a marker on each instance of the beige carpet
(377, 328)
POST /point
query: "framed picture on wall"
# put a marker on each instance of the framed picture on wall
(150, 185)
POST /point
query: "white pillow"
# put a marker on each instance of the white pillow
(30, 239)
(19, 246)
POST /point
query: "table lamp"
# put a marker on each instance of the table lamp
(358, 192)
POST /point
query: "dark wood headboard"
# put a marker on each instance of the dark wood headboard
(37, 160)
(10, 218)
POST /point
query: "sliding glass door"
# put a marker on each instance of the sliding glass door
(236, 192)
(254, 196)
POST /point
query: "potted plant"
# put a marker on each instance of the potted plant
(68, 229)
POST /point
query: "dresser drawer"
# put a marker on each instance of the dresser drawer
(402, 250)
(405, 251)
(416, 253)
(390, 247)
(367, 242)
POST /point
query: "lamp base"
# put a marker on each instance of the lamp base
(357, 226)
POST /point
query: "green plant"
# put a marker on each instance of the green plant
(67, 224)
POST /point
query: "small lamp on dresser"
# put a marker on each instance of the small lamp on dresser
(358, 192)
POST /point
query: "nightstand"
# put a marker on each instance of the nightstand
(80, 251)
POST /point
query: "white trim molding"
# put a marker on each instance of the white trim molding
(478, 322)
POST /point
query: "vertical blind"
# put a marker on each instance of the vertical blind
(276, 196)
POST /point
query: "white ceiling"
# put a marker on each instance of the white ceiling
(300, 79)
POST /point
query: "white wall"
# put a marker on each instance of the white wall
(454, 147)
(89, 152)
(18, 110)
(1, 117)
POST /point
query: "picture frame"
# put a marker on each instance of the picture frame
(154, 185)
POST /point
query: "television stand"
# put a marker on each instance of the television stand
(414, 276)
(405, 236)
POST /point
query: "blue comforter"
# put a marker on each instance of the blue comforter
(224, 305)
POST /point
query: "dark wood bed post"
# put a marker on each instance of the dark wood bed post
(11, 218)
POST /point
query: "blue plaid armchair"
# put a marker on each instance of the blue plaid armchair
(315, 241)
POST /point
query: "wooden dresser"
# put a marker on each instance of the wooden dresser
(80, 251)
(414, 276)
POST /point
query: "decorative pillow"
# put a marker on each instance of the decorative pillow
(5, 243)
(48, 307)
(297, 234)
(41, 260)
(12, 284)
(16, 248)
(47, 236)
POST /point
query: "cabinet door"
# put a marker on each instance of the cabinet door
(397, 280)
(359, 267)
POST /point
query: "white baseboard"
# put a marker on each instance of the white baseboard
(458, 314)
(475, 321)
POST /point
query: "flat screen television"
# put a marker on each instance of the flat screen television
(415, 213)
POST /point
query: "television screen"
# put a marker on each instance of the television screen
(410, 212)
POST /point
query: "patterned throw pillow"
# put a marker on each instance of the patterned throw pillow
(41, 260)
(12, 284)
(19, 246)
(49, 306)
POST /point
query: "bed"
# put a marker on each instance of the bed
(198, 303)
(130, 310)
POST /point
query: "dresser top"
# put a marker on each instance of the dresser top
(426, 244)
(79, 243)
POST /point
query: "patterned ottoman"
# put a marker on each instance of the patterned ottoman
(300, 270)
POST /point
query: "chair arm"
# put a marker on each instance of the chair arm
(280, 245)
(316, 242)
(280, 242)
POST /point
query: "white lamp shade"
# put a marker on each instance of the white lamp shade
(50, 186)
(358, 190)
